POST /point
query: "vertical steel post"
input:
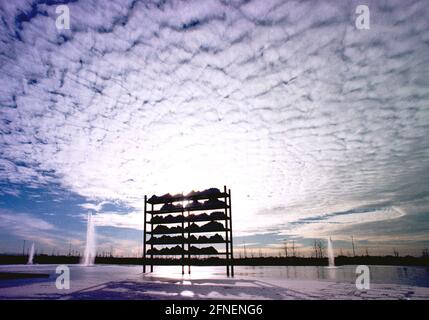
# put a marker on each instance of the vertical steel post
(151, 236)
(183, 240)
(226, 231)
(189, 246)
(144, 236)
(230, 228)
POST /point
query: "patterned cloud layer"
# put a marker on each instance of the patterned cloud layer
(301, 114)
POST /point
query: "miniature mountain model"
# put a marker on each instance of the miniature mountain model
(212, 226)
(204, 250)
(180, 238)
(192, 228)
(217, 215)
(211, 191)
(207, 192)
(171, 207)
(198, 217)
(166, 240)
(216, 238)
(167, 219)
(161, 229)
(194, 204)
(213, 204)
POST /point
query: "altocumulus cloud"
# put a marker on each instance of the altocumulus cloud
(286, 102)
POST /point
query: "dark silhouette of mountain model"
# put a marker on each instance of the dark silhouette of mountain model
(167, 219)
(177, 250)
(165, 240)
(204, 239)
(207, 192)
(171, 207)
(179, 239)
(211, 226)
(173, 250)
(216, 215)
(163, 229)
(166, 197)
(192, 228)
(170, 198)
(198, 217)
(194, 204)
(213, 204)
(204, 250)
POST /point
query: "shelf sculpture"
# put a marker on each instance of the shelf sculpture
(175, 223)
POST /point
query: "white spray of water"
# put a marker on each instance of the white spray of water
(89, 254)
(31, 254)
(331, 256)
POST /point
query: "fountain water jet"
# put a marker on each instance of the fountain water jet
(31, 254)
(331, 256)
(89, 254)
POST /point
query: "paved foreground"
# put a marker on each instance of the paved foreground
(128, 282)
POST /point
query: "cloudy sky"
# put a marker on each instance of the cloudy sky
(319, 128)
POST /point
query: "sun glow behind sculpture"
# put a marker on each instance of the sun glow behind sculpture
(204, 159)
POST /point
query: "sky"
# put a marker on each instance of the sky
(319, 128)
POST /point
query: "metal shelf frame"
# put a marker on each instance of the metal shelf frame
(148, 229)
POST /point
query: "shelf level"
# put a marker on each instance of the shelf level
(172, 199)
(186, 232)
(186, 221)
(192, 209)
(186, 254)
(186, 242)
